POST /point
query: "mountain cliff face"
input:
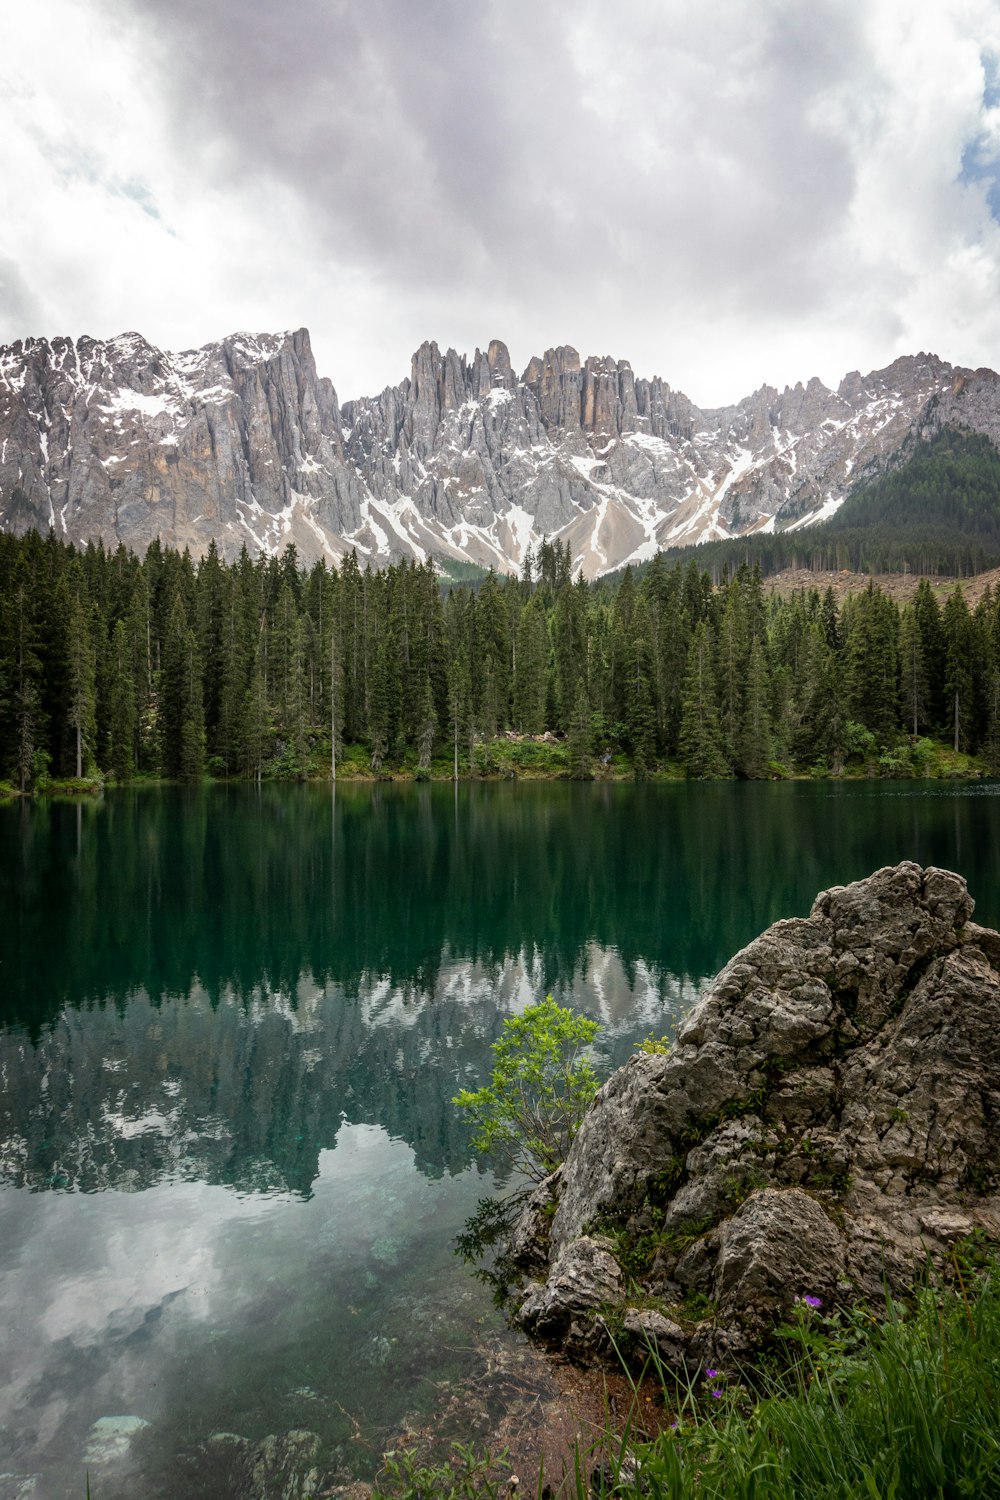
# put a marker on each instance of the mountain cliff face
(243, 441)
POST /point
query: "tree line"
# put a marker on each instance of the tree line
(937, 513)
(168, 667)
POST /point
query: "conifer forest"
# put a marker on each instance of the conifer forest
(166, 667)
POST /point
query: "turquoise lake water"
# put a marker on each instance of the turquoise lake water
(231, 1024)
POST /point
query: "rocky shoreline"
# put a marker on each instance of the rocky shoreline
(827, 1122)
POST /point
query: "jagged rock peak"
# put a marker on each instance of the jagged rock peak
(242, 442)
(828, 1115)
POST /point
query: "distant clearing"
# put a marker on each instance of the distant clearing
(899, 586)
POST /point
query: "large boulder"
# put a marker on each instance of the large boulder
(828, 1117)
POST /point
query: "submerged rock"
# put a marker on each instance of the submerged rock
(281, 1467)
(828, 1117)
(110, 1438)
(18, 1486)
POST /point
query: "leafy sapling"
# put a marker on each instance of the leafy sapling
(541, 1084)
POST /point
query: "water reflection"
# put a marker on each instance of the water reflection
(248, 888)
(151, 1303)
(247, 1090)
(232, 1021)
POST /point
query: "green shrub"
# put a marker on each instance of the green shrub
(539, 1089)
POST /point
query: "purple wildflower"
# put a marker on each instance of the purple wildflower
(717, 1394)
(813, 1301)
(711, 1374)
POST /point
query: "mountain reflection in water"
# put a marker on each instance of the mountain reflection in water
(232, 1022)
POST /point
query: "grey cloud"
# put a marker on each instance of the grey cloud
(454, 145)
(20, 306)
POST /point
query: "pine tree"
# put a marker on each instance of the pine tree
(26, 722)
(81, 659)
(700, 737)
(872, 665)
(913, 673)
(257, 732)
(958, 671)
(459, 700)
(531, 668)
(581, 738)
(191, 756)
(182, 715)
(122, 707)
(932, 650)
(426, 726)
(754, 737)
(638, 712)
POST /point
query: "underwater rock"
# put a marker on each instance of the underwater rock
(828, 1117)
(281, 1467)
(110, 1438)
(18, 1486)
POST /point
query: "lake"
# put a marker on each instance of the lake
(231, 1024)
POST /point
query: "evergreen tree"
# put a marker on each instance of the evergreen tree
(958, 671)
(638, 713)
(81, 659)
(531, 668)
(754, 739)
(459, 700)
(182, 716)
(122, 707)
(426, 726)
(872, 667)
(700, 736)
(932, 652)
(581, 738)
(913, 674)
(257, 733)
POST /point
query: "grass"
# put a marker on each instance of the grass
(71, 786)
(906, 1407)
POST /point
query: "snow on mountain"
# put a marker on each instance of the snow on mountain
(243, 442)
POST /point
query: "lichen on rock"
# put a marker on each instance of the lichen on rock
(828, 1118)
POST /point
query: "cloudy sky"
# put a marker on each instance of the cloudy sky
(724, 192)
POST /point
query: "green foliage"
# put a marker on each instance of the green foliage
(539, 1089)
(464, 1477)
(654, 1046)
(901, 1406)
(167, 667)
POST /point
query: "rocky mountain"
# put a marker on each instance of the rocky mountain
(242, 441)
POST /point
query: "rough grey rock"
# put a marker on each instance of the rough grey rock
(18, 1486)
(242, 442)
(778, 1245)
(829, 1115)
(585, 1279)
(281, 1467)
(651, 1332)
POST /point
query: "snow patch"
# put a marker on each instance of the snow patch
(128, 400)
(830, 506)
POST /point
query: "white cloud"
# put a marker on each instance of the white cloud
(724, 195)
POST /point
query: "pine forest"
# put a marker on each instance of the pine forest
(164, 667)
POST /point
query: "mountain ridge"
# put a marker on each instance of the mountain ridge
(243, 442)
